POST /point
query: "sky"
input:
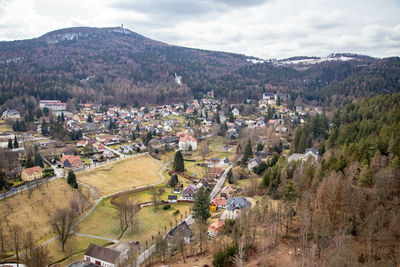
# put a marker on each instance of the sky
(261, 28)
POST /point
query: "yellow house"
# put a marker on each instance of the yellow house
(31, 174)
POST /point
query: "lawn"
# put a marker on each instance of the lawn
(74, 249)
(32, 214)
(122, 175)
(4, 127)
(104, 221)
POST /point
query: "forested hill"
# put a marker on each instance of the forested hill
(116, 65)
(352, 192)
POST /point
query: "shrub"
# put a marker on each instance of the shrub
(176, 212)
(166, 206)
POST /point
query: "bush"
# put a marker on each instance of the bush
(176, 212)
(166, 206)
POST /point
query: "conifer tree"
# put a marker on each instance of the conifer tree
(15, 142)
(179, 165)
(10, 144)
(71, 179)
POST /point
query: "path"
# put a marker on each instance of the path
(189, 220)
(98, 200)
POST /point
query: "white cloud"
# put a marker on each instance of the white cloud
(261, 28)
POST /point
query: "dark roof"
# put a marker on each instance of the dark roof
(205, 183)
(172, 197)
(182, 226)
(102, 253)
(262, 154)
(237, 203)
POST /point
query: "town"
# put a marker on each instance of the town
(153, 158)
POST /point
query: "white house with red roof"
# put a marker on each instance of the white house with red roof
(186, 141)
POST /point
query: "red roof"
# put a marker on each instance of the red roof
(218, 201)
(74, 160)
(32, 170)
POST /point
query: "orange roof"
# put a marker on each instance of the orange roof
(32, 170)
(72, 159)
(216, 226)
(218, 201)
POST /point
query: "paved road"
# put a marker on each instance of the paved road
(189, 220)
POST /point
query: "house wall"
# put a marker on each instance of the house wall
(35, 175)
(102, 263)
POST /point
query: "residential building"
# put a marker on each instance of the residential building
(234, 206)
(253, 163)
(227, 191)
(102, 256)
(31, 174)
(215, 172)
(310, 152)
(180, 229)
(71, 162)
(52, 104)
(172, 198)
(215, 227)
(11, 114)
(189, 192)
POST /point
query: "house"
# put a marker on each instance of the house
(52, 104)
(215, 172)
(11, 114)
(205, 184)
(180, 229)
(227, 191)
(235, 112)
(310, 152)
(253, 163)
(102, 256)
(187, 142)
(71, 162)
(219, 203)
(214, 160)
(172, 198)
(224, 162)
(268, 96)
(262, 154)
(31, 174)
(108, 154)
(81, 143)
(234, 206)
(177, 190)
(215, 227)
(189, 192)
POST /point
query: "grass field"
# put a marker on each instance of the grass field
(32, 214)
(104, 221)
(4, 127)
(122, 175)
(74, 249)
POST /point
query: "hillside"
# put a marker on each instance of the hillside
(345, 205)
(116, 65)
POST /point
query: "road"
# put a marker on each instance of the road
(189, 220)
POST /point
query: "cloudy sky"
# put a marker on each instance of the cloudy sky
(260, 28)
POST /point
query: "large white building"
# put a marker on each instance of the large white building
(186, 142)
(11, 114)
(52, 104)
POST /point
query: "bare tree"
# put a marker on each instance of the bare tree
(61, 221)
(127, 208)
(204, 150)
(16, 232)
(35, 256)
(161, 246)
(179, 243)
